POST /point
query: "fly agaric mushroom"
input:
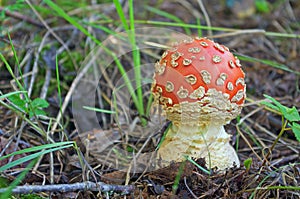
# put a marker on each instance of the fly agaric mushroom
(200, 85)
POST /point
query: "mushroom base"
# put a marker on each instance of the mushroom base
(211, 143)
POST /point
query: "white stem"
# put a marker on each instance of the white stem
(210, 142)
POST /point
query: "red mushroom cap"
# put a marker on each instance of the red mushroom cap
(199, 76)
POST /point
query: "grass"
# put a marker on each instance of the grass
(169, 16)
(17, 181)
(138, 95)
(135, 52)
(34, 111)
(36, 152)
(26, 105)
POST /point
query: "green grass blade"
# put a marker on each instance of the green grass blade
(58, 88)
(37, 148)
(72, 21)
(169, 16)
(15, 56)
(121, 14)
(99, 110)
(136, 60)
(172, 24)
(294, 188)
(199, 30)
(31, 157)
(286, 35)
(11, 94)
(197, 165)
(104, 29)
(135, 51)
(267, 62)
(11, 72)
(149, 104)
(178, 176)
(17, 181)
(164, 136)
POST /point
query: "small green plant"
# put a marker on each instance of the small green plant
(35, 108)
(290, 116)
(262, 6)
(247, 164)
(24, 104)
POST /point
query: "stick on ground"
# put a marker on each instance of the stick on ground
(82, 186)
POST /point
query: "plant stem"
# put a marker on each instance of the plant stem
(276, 141)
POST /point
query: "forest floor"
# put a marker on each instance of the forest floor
(67, 115)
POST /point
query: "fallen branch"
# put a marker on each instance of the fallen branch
(82, 186)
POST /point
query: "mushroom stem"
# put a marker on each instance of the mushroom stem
(210, 142)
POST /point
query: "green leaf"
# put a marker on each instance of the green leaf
(262, 6)
(270, 105)
(37, 112)
(17, 101)
(39, 103)
(296, 130)
(248, 163)
(291, 114)
(273, 100)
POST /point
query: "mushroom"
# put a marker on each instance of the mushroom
(200, 86)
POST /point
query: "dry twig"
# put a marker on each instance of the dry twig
(20, 16)
(81, 186)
